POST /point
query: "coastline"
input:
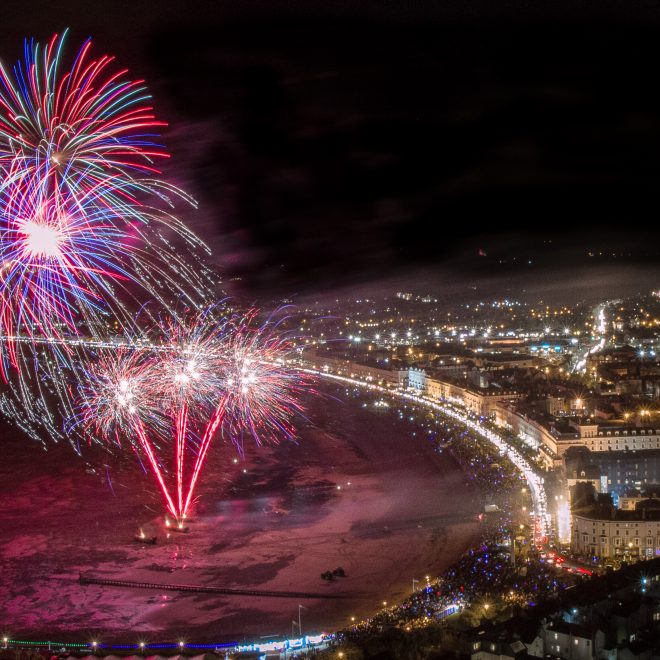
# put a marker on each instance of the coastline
(276, 528)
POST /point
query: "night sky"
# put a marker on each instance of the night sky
(331, 144)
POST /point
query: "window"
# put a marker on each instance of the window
(576, 642)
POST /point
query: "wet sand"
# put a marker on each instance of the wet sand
(401, 512)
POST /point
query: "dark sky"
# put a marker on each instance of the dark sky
(336, 143)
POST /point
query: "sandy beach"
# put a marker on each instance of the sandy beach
(360, 489)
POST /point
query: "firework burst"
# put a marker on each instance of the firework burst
(87, 231)
(205, 378)
(118, 402)
(258, 393)
(87, 238)
(87, 123)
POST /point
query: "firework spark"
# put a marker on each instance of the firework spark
(88, 124)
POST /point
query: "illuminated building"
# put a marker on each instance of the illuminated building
(606, 532)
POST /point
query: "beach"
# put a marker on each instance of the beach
(360, 489)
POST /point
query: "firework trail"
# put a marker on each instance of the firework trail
(59, 260)
(188, 372)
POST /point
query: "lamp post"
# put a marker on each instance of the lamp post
(300, 607)
(414, 582)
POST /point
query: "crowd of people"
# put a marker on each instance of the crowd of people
(502, 572)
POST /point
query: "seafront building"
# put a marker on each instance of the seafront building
(576, 440)
(551, 431)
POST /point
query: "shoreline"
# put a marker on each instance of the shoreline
(280, 507)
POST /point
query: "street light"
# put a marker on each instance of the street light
(300, 608)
